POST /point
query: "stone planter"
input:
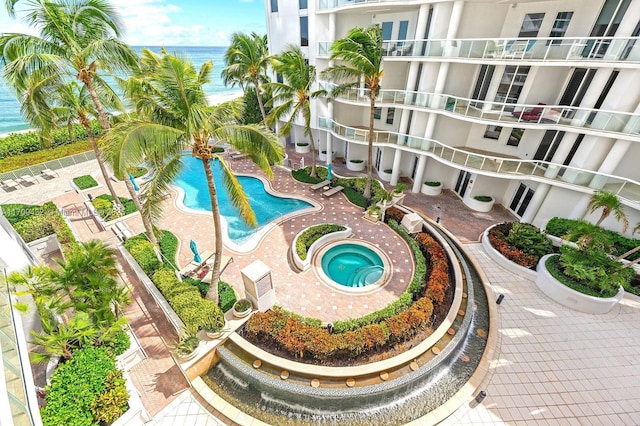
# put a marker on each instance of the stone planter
(570, 298)
(303, 149)
(384, 175)
(333, 236)
(216, 334)
(397, 199)
(431, 190)
(187, 357)
(497, 257)
(244, 313)
(355, 166)
(479, 206)
(322, 156)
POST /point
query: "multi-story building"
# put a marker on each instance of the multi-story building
(534, 103)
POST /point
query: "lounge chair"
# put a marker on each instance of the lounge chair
(333, 191)
(9, 184)
(319, 185)
(530, 115)
(48, 173)
(27, 179)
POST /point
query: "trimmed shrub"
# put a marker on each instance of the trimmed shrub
(85, 182)
(76, 384)
(143, 252)
(34, 222)
(226, 296)
(112, 404)
(311, 235)
(106, 211)
(498, 240)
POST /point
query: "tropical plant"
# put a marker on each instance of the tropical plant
(76, 38)
(293, 97)
(609, 203)
(399, 189)
(529, 239)
(360, 58)
(247, 59)
(174, 113)
(187, 343)
(242, 305)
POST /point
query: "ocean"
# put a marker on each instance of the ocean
(11, 119)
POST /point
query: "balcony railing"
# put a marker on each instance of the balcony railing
(543, 170)
(607, 49)
(620, 123)
(332, 4)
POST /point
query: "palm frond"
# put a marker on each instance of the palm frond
(237, 196)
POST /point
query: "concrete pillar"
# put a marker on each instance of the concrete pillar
(611, 161)
(560, 155)
(417, 182)
(395, 169)
(332, 26)
(536, 201)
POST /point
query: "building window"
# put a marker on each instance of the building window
(274, 5)
(377, 113)
(531, 25)
(511, 84)
(302, 4)
(279, 78)
(387, 27)
(514, 137)
(402, 31)
(492, 132)
(391, 112)
(560, 26)
(304, 31)
(521, 199)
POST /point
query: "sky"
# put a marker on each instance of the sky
(173, 22)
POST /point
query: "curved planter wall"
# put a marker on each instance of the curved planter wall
(571, 298)
(479, 206)
(303, 149)
(384, 176)
(431, 190)
(355, 167)
(334, 236)
(497, 257)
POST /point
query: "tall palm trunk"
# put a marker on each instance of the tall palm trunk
(367, 188)
(256, 83)
(313, 149)
(107, 180)
(148, 227)
(96, 102)
(212, 293)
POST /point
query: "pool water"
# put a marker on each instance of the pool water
(352, 265)
(267, 207)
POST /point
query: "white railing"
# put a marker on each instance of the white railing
(584, 49)
(595, 120)
(625, 188)
(332, 4)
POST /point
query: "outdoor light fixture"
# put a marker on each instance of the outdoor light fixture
(478, 399)
(500, 299)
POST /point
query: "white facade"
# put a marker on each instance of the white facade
(460, 76)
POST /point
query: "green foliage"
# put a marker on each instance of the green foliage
(32, 158)
(85, 182)
(139, 171)
(573, 229)
(302, 175)
(105, 207)
(226, 296)
(432, 183)
(143, 252)
(311, 235)
(21, 143)
(33, 222)
(252, 113)
(242, 305)
(110, 405)
(315, 322)
(529, 239)
(483, 198)
(119, 343)
(185, 299)
(74, 387)
(202, 286)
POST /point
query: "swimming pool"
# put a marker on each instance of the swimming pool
(266, 206)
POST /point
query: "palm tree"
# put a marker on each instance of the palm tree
(76, 39)
(360, 58)
(247, 59)
(295, 94)
(174, 116)
(609, 203)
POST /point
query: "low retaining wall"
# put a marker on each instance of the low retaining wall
(497, 257)
(334, 236)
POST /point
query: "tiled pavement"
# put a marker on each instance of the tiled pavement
(553, 365)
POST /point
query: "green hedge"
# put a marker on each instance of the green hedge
(79, 386)
(106, 210)
(311, 235)
(20, 143)
(85, 182)
(561, 227)
(226, 296)
(554, 267)
(33, 222)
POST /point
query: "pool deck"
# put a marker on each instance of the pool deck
(552, 365)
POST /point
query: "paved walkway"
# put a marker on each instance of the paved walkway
(553, 365)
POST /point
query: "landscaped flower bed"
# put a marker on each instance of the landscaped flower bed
(105, 207)
(85, 182)
(521, 243)
(398, 322)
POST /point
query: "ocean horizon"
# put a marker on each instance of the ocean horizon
(11, 119)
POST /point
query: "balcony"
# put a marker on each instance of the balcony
(560, 117)
(557, 174)
(334, 4)
(624, 51)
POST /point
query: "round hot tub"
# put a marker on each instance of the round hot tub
(352, 266)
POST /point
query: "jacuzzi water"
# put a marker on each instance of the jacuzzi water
(352, 265)
(267, 207)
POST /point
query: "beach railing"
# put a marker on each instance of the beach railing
(57, 164)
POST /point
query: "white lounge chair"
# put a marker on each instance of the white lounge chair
(9, 184)
(27, 179)
(333, 191)
(319, 185)
(48, 173)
